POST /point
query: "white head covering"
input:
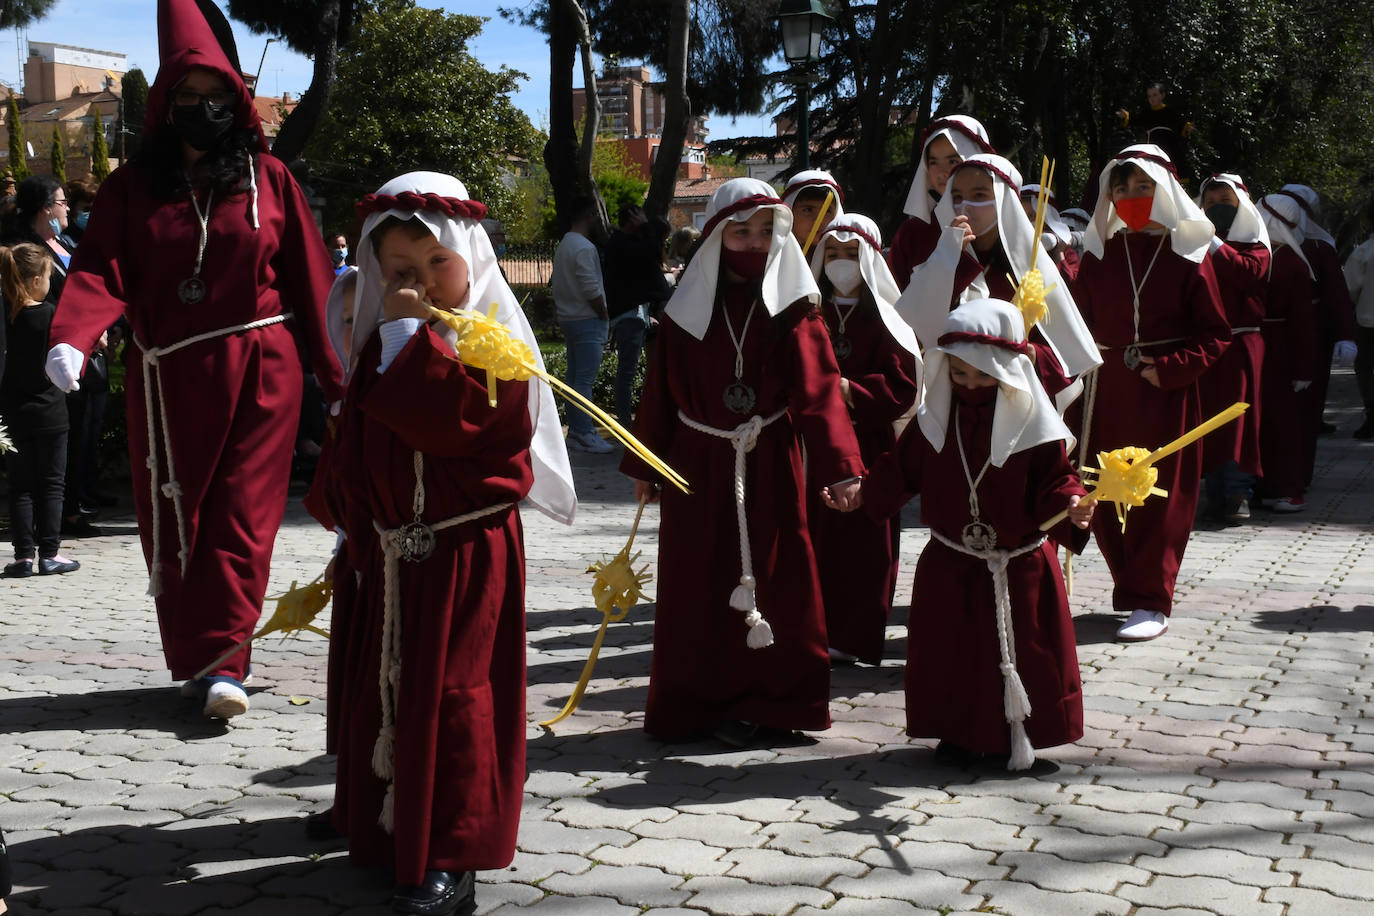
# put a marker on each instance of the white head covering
(1190, 231)
(814, 178)
(1283, 219)
(1076, 217)
(1248, 225)
(334, 313)
(552, 491)
(1310, 202)
(1024, 416)
(1053, 221)
(786, 278)
(874, 270)
(1063, 325)
(969, 138)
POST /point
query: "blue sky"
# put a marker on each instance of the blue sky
(130, 27)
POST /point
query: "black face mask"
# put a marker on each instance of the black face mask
(202, 125)
(1222, 216)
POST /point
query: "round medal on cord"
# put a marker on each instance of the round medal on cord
(977, 534)
(192, 290)
(1131, 356)
(739, 398)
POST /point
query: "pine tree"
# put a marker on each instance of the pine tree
(100, 154)
(59, 156)
(19, 164)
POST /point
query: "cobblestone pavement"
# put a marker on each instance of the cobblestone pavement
(1228, 767)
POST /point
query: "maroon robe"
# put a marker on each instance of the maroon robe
(996, 271)
(1242, 270)
(953, 677)
(703, 672)
(1290, 335)
(1334, 314)
(232, 402)
(856, 556)
(1179, 303)
(912, 246)
(460, 718)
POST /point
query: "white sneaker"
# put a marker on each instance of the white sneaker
(1142, 625)
(225, 700)
(1289, 504)
(590, 442)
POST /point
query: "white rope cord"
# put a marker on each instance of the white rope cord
(743, 437)
(1015, 702)
(152, 357)
(389, 671)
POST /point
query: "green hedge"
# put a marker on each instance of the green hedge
(603, 391)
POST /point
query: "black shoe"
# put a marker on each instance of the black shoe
(1366, 431)
(86, 510)
(1327, 428)
(19, 569)
(442, 893)
(952, 755)
(736, 733)
(320, 826)
(81, 528)
(56, 566)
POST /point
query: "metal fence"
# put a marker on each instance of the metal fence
(528, 265)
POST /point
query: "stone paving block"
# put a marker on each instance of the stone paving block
(679, 857)
(1051, 873)
(811, 840)
(987, 808)
(1223, 864)
(1012, 897)
(1336, 879)
(551, 836)
(583, 812)
(1110, 823)
(61, 892)
(1215, 895)
(156, 897)
(720, 830)
(570, 906)
(492, 897)
(914, 885)
(750, 808)
(1303, 901)
(1078, 846)
(855, 906)
(632, 885)
(953, 860)
(1351, 853)
(773, 867)
(736, 897)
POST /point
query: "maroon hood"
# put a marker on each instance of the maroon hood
(185, 40)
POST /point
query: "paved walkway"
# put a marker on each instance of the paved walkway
(1228, 768)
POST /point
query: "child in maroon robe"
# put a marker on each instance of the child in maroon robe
(992, 666)
(742, 374)
(1290, 359)
(812, 195)
(1147, 290)
(1240, 256)
(947, 142)
(879, 363)
(431, 764)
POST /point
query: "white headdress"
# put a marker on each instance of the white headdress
(1283, 219)
(441, 203)
(786, 278)
(1063, 325)
(1309, 201)
(1076, 217)
(814, 178)
(969, 139)
(1248, 225)
(1190, 231)
(989, 335)
(874, 270)
(334, 312)
(1053, 221)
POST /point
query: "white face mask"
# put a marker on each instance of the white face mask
(843, 275)
(973, 209)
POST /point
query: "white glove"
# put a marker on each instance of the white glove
(1301, 386)
(64, 366)
(1345, 352)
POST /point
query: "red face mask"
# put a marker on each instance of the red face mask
(1135, 211)
(975, 397)
(747, 264)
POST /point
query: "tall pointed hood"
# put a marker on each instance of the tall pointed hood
(186, 39)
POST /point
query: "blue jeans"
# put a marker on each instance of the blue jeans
(586, 340)
(629, 343)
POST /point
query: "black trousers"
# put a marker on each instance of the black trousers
(37, 471)
(1364, 368)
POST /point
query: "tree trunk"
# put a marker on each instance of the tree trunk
(560, 152)
(591, 119)
(301, 123)
(677, 114)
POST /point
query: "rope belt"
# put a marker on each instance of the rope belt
(1015, 702)
(1249, 330)
(743, 437)
(152, 357)
(413, 542)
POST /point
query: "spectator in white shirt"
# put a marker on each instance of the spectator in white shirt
(580, 298)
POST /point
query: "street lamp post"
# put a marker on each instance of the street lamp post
(803, 22)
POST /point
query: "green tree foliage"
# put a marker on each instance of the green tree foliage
(23, 12)
(19, 163)
(617, 181)
(100, 153)
(58, 156)
(411, 96)
(135, 91)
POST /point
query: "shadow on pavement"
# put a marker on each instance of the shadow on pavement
(151, 708)
(1319, 618)
(1095, 629)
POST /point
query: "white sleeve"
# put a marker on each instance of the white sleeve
(395, 334)
(924, 304)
